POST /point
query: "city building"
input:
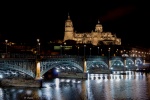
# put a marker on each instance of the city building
(97, 37)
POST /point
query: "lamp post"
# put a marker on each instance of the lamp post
(117, 52)
(101, 52)
(60, 49)
(6, 41)
(98, 50)
(38, 40)
(38, 44)
(84, 50)
(109, 62)
(78, 51)
(39, 47)
(90, 51)
(64, 48)
(85, 67)
(109, 53)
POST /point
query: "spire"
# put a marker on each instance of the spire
(98, 22)
(68, 16)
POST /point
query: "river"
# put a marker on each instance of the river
(134, 86)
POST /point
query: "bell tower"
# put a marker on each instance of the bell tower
(69, 29)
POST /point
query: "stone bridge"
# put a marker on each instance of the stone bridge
(36, 68)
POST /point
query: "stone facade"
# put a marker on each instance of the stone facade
(97, 37)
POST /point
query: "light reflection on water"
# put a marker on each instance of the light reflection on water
(135, 86)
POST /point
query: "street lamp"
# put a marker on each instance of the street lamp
(109, 57)
(60, 49)
(98, 50)
(84, 68)
(84, 50)
(78, 51)
(39, 47)
(117, 52)
(109, 53)
(6, 41)
(38, 40)
(65, 43)
(90, 51)
(124, 51)
(38, 44)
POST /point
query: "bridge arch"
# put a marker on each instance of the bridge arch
(17, 68)
(130, 63)
(117, 64)
(49, 65)
(97, 66)
(100, 63)
(138, 62)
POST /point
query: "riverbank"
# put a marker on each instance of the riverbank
(19, 82)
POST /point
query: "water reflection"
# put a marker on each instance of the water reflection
(133, 86)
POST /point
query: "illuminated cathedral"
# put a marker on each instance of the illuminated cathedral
(97, 37)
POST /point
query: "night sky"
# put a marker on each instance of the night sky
(26, 21)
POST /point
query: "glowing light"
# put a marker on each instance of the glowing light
(73, 81)
(57, 70)
(1, 76)
(62, 80)
(21, 90)
(79, 82)
(68, 80)
(28, 92)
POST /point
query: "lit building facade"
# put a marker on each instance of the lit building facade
(97, 37)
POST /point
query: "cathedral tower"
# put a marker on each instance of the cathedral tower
(68, 35)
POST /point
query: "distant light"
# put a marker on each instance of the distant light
(57, 70)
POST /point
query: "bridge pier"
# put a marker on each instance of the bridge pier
(109, 64)
(144, 61)
(84, 75)
(135, 62)
(84, 66)
(38, 70)
(125, 63)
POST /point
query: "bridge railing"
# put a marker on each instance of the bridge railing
(17, 55)
(60, 56)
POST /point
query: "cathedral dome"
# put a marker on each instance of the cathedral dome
(98, 24)
(98, 27)
(68, 21)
